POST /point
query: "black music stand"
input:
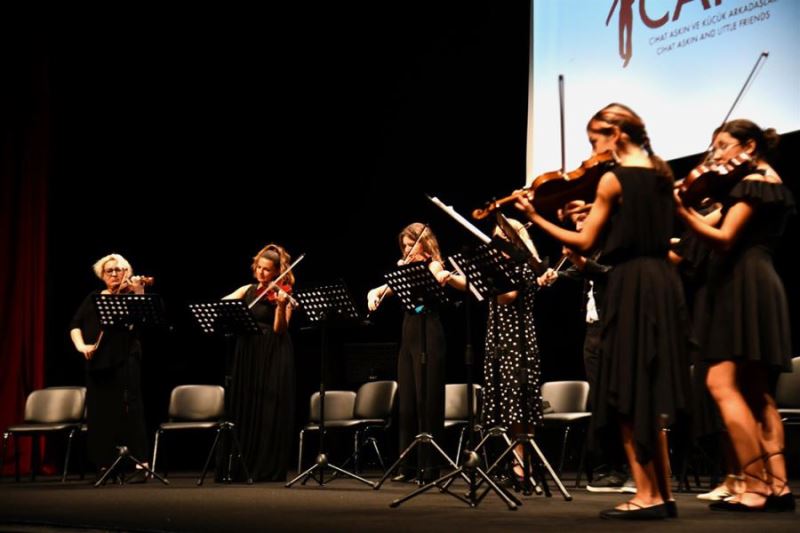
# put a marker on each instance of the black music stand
(228, 318)
(487, 272)
(323, 305)
(491, 274)
(120, 312)
(418, 290)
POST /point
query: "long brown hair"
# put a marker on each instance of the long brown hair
(744, 130)
(632, 125)
(278, 255)
(428, 241)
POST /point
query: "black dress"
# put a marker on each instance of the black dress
(114, 407)
(511, 368)
(748, 317)
(644, 374)
(262, 395)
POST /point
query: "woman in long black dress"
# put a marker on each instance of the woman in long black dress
(643, 382)
(511, 366)
(114, 408)
(418, 243)
(747, 336)
(263, 373)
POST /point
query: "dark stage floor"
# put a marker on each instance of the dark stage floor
(343, 505)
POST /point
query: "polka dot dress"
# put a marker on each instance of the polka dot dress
(511, 369)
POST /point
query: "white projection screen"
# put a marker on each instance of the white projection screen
(678, 63)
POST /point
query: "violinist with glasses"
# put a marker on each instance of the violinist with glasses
(643, 379)
(114, 407)
(262, 391)
(745, 334)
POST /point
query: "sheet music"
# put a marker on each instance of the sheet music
(463, 221)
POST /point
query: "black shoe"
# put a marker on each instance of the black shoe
(636, 512)
(780, 504)
(672, 508)
(611, 482)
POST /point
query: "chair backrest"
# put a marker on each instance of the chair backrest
(787, 393)
(566, 396)
(55, 404)
(339, 405)
(455, 401)
(196, 403)
(375, 399)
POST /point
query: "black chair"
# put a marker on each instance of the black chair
(787, 395)
(339, 409)
(374, 405)
(47, 411)
(456, 414)
(567, 408)
(196, 407)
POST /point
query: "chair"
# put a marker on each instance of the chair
(568, 401)
(787, 395)
(374, 405)
(456, 414)
(339, 409)
(50, 410)
(196, 407)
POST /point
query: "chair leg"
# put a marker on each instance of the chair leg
(300, 452)
(356, 450)
(460, 444)
(66, 457)
(374, 443)
(155, 450)
(581, 463)
(16, 457)
(35, 456)
(210, 455)
(563, 450)
(3, 453)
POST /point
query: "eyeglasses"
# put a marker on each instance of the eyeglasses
(723, 149)
(115, 270)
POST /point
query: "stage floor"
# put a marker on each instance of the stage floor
(342, 505)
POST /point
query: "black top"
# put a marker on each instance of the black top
(116, 344)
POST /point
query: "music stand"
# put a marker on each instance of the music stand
(418, 290)
(492, 274)
(121, 312)
(322, 305)
(487, 273)
(228, 318)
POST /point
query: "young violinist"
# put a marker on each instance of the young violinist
(262, 391)
(114, 406)
(642, 383)
(418, 243)
(746, 335)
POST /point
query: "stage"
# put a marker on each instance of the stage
(343, 505)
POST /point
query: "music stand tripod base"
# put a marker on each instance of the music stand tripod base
(324, 304)
(125, 454)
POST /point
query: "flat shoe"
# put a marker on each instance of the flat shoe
(654, 512)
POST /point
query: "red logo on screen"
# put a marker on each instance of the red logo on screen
(626, 21)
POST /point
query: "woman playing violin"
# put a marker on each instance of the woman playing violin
(115, 412)
(418, 243)
(263, 372)
(746, 334)
(642, 383)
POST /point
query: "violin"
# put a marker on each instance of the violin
(128, 285)
(709, 182)
(550, 191)
(274, 290)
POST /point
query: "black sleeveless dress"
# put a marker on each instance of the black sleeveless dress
(262, 395)
(746, 308)
(644, 370)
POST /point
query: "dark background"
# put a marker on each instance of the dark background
(187, 138)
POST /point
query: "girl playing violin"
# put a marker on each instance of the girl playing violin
(418, 243)
(642, 383)
(262, 390)
(115, 411)
(746, 334)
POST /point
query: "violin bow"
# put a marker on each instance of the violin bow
(275, 281)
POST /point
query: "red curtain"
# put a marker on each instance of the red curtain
(24, 167)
